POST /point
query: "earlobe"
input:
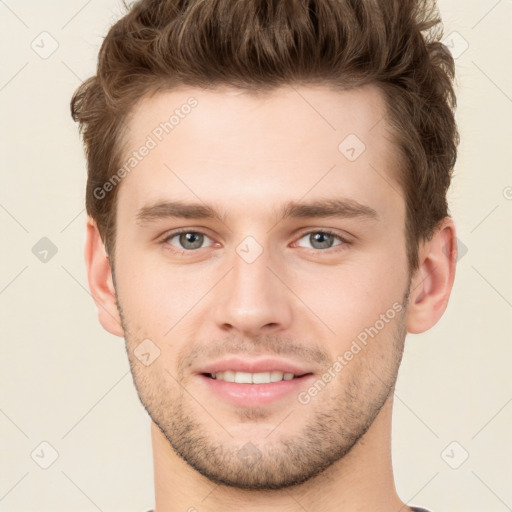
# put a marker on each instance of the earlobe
(433, 281)
(101, 285)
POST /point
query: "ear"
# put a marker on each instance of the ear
(432, 282)
(100, 280)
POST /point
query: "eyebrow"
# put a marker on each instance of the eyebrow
(336, 207)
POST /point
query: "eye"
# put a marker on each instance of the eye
(187, 240)
(322, 239)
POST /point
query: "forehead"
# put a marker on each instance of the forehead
(278, 145)
(280, 112)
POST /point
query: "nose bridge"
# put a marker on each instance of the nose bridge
(253, 298)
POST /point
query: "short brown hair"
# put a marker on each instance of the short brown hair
(258, 45)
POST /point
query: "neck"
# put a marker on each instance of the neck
(361, 481)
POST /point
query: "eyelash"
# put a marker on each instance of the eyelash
(172, 234)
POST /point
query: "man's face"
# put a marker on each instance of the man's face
(251, 285)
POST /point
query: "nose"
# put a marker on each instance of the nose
(253, 298)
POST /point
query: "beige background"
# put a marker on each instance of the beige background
(66, 382)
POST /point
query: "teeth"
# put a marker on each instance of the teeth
(252, 378)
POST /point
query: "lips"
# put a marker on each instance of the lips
(250, 383)
(245, 395)
(252, 366)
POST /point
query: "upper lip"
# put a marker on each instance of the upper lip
(255, 366)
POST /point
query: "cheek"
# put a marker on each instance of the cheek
(155, 295)
(353, 295)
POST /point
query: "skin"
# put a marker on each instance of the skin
(246, 155)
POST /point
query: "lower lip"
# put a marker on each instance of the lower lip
(254, 395)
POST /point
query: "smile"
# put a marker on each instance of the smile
(252, 378)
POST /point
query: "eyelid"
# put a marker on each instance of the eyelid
(327, 231)
(179, 231)
(344, 240)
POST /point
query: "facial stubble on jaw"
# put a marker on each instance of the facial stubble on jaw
(337, 424)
